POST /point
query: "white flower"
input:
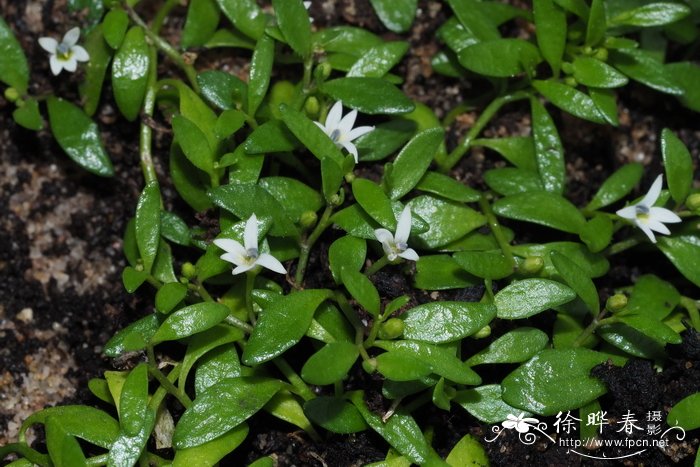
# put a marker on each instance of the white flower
(648, 217)
(521, 423)
(307, 5)
(340, 130)
(396, 245)
(248, 257)
(66, 54)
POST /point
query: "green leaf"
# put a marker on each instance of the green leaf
(362, 290)
(293, 21)
(577, 279)
(598, 74)
(402, 366)
(201, 22)
(577, 7)
(114, 27)
(485, 264)
(217, 365)
(173, 228)
(200, 344)
(221, 408)
(385, 139)
(596, 23)
(528, 297)
(597, 233)
(549, 152)
(78, 136)
(518, 150)
(500, 58)
(346, 253)
(473, 17)
(396, 15)
(401, 431)
(617, 186)
(652, 14)
(88, 423)
(133, 400)
(412, 162)
(63, 448)
(133, 337)
(377, 97)
(485, 403)
(631, 341)
(448, 220)
(440, 322)
(684, 74)
(379, 59)
(95, 70)
(222, 89)
(330, 364)
(296, 197)
(447, 187)
(542, 208)
(335, 415)
(678, 165)
(686, 413)
(213, 451)
(684, 253)
(187, 181)
(28, 115)
(536, 385)
(260, 70)
(331, 178)
(246, 15)
(511, 180)
(190, 320)
(595, 265)
(169, 296)
(516, 346)
(281, 325)
(148, 224)
(373, 200)
(193, 143)
(550, 26)
(130, 73)
(643, 67)
(127, 449)
(14, 70)
(606, 102)
(440, 272)
(310, 135)
(570, 100)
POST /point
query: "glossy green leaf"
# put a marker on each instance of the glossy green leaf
(379, 60)
(271, 136)
(331, 178)
(447, 187)
(684, 253)
(440, 272)
(606, 102)
(686, 413)
(542, 208)
(518, 150)
(114, 27)
(130, 73)
(617, 186)
(400, 430)
(631, 341)
(190, 320)
(200, 24)
(95, 70)
(133, 337)
(485, 403)
(577, 279)
(684, 74)
(525, 298)
(133, 278)
(133, 400)
(500, 58)
(448, 220)
(597, 233)
(222, 89)
(310, 135)
(511, 181)
(549, 152)
(596, 73)
(595, 265)
(213, 451)
(396, 15)
(378, 96)
(678, 165)
(335, 415)
(385, 139)
(88, 423)
(28, 115)
(402, 366)
(127, 449)
(467, 451)
(260, 70)
(596, 23)
(246, 15)
(63, 448)
(219, 364)
(550, 25)
(293, 21)
(346, 253)
(440, 322)
(78, 136)
(173, 228)
(355, 221)
(193, 143)
(373, 200)
(296, 197)
(474, 19)
(169, 296)
(282, 324)
(222, 407)
(651, 14)
(187, 180)
(199, 344)
(148, 224)
(14, 70)
(361, 289)
(536, 385)
(485, 264)
(643, 67)
(516, 346)
(330, 364)
(569, 99)
(577, 7)
(346, 39)
(412, 162)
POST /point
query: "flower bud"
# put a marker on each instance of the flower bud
(349, 177)
(616, 303)
(189, 270)
(587, 50)
(370, 366)
(308, 219)
(601, 54)
(311, 107)
(574, 35)
(323, 71)
(483, 332)
(692, 202)
(391, 329)
(11, 94)
(567, 68)
(532, 265)
(570, 81)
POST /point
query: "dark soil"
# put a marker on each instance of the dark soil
(61, 296)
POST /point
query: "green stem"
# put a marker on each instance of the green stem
(299, 385)
(349, 313)
(164, 381)
(376, 266)
(25, 451)
(489, 112)
(97, 460)
(306, 245)
(595, 324)
(692, 309)
(497, 230)
(162, 13)
(249, 285)
(146, 133)
(237, 323)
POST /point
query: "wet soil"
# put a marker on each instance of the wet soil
(61, 296)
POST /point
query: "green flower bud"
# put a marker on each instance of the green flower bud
(532, 265)
(349, 177)
(567, 68)
(189, 271)
(311, 107)
(11, 94)
(601, 54)
(323, 71)
(370, 366)
(616, 303)
(574, 35)
(693, 202)
(483, 332)
(587, 50)
(391, 329)
(570, 81)
(308, 219)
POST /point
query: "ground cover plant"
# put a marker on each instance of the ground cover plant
(343, 277)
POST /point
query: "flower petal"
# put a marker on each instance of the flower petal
(270, 262)
(235, 258)
(323, 128)
(384, 236)
(250, 234)
(654, 192)
(647, 231)
(629, 212)
(352, 149)
(522, 427)
(403, 227)
(346, 124)
(243, 268)
(657, 226)
(663, 215)
(80, 53)
(71, 64)
(71, 37)
(230, 246)
(357, 132)
(56, 65)
(307, 5)
(509, 424)
(334, 116)
(409, 254)
(49, 44)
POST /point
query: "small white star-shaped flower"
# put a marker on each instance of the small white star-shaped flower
(247, 257)
(648, 217)
(396, 246)
(66, 54)
(340, 130)
(521, 423)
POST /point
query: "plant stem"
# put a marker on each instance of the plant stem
(162, 13)
(306, 245)
(692, 309)
(164, 381)
(249, 284)
(299, 385)
(237, 323)
(497, 231)
(586, 333)
(376, 266)
(146, 133)
(489, 112)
